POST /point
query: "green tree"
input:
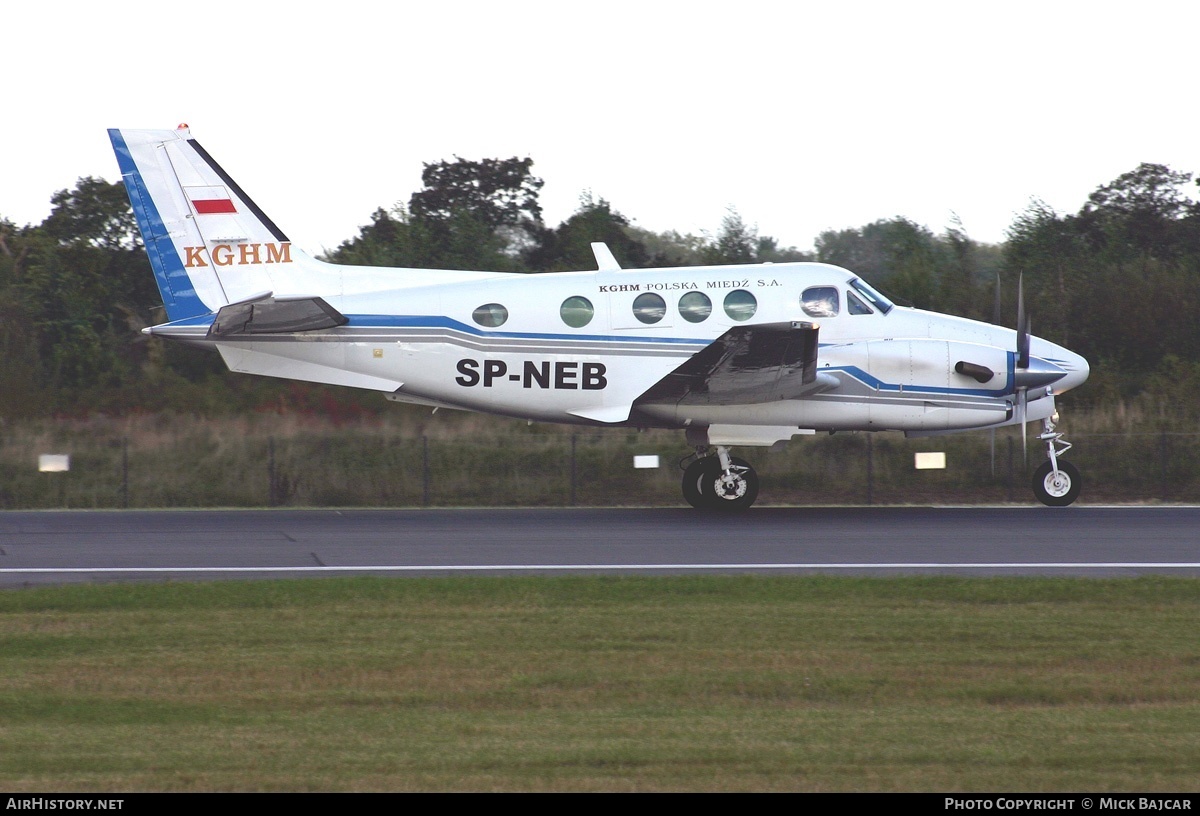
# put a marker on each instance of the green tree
(670, 248)
(568, 246)
(87, 288)
(393, 238)
(475, 214)
(1138, 215)
(897, 254)
(1119, 280)
(94, 212)
(495, 192)
(21, 374)
(737, 242)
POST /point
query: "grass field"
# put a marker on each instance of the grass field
(603, 684)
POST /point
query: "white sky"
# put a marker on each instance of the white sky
(804, 116)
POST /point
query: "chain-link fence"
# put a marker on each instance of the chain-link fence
(196, 464)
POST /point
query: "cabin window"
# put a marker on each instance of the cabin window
(490, 315)
(820, 301)
(855, 306)
(576, 311)
(740, 305)
(695, 307)
(649, 308)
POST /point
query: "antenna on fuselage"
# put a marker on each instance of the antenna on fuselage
(605, 261)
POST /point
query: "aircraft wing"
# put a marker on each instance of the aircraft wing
(747, 364)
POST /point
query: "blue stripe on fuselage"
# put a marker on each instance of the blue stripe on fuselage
(879, 385)
(365, 321)
(440, 322)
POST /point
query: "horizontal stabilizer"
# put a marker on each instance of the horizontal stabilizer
(747, 364)
(274, 316)
(245, 359)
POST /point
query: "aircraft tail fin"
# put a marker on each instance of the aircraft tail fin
(209, 244)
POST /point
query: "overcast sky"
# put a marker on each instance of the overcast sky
(804, 116)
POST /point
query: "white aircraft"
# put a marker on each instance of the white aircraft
(729, 354)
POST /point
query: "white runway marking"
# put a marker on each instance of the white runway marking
(1102, 565)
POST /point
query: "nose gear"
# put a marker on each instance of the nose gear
(1055, 483)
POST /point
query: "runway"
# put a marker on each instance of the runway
(39, 548)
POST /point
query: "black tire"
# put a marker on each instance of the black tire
(728, 494)
(1057, 491)
(691, 484)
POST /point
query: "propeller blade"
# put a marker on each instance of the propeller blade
(996, 305)
(1022, 406)
(1022, 326)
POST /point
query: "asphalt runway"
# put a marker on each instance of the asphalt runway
(111, 546)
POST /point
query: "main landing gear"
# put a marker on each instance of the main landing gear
(714, 480)
(717, 481)
(1056, 483)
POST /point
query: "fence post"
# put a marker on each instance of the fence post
(870, 469)
(424, 470)
(272, 478)
(574, 438)
(1163, 453)
(1010, 468)
(125, 473)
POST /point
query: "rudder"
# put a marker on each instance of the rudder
(209, 244)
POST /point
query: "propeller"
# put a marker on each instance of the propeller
(996, 314)
(1023, 326)
(1028, 371)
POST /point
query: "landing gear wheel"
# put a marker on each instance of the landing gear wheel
(691, 483)
(1056, 489)
(727, 492)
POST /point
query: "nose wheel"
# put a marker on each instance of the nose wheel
(1056, 482)
(721, 482)
(1056, 487)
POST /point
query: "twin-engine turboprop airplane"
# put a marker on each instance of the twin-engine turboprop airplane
(729, 354)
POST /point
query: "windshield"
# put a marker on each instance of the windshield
(874, 298)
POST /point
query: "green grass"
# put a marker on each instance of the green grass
(592, 683)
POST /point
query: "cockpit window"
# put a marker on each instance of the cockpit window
(871, 296)
(820, 301)
(855, 306)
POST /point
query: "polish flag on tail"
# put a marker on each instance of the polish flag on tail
(210, 200)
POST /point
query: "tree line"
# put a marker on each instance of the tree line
(1118, 281)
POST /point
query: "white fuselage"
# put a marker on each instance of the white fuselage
(426, 344)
